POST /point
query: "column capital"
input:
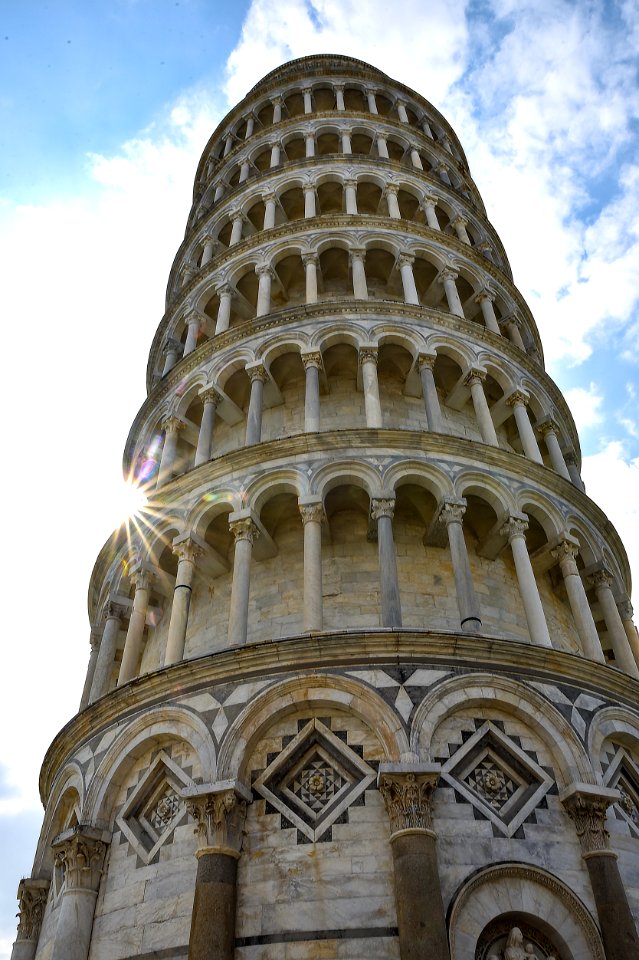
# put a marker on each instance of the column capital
(113, 610)
(307, 89)
(339, 86)
(565, 551)
(514, 526)
(256, 371)
(219, 810)
(264, 270)
(601, 578)
(408, 791)
(382, 507)
(368, 354)
(171, 345)
(141, 577)
(624, 607)
(357, 253)
(224, 288)
(172, 424)
(244, 528)
(442, 167)
(187, 549)
(80, 853)
(32, 899)
(312, 359)
(391, 188)
(446, 273)
(546, 426)
(429, 200)
(312, 512)
(486, 293)
(510, 319)
(277, 100)
(459, 218)
(308, 188)
(452, 511)
(474, 375)
(310, 257)
(405, 258)
(269, 195)
(517, 398)
(586, 805)
(426, 360)
(210, 395)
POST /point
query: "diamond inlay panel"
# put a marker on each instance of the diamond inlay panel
(623, 775)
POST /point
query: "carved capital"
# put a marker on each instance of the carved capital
(426, 360)
(172, 425)
(219, 815)
(210, 395)
(368, 355)
(311, 512)
(257, 372)
(224, 290)
(459, 221)
(309, 188)
(383, 507)
(565, 552)
(309, 258)
(80, 853)
(405, 259)
(391, 188)
(113, 610)
(141, 578)
(517, 398)
(187, 550)
(264, 270)
(586, 805)
(269, 195)
(32, 899)
(446, 273)
(547, 426)
(429, 200)
(485, 294)
(408, 796)
(514, 527)
(601, 578)
(358, 253)
(452, 511)
(244, 529)
(171, 346)
(625, 608)
(474, 376)
(312, 359)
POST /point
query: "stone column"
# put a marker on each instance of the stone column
(382, 146)
(447, 277)
(548, 430)
(171, 351)
(565, 553)
(310, 269)
(586, 805)
(312, 363)
(602, 581)
(360, 290)
(405, 262)
(425, 365)
(80, 853)
(459, 223)
(426, 127)
(193, 323)
(519, 402)
(310, 144)
(511, 325)
(339, 96)
(372, 103)
(401, 112)
(236, 230)
(265, 274)
(245, 533)
(219, 810)
(368, 363)
(475, 380)
(257, 374)
(415, 159)
(135, 632)
(277, 109)
(382, 512)
(171, 427)
(94, 642)
(390, 193)
(515, 529)
(225, 295)
(269, 211)
(275, 153)
(624, 607)
(250, 127)
(32, 900)
(244, 171)
(219, 192)
(350, 195)
(187, 552)
(428, 206)
(228, 144)
(442, 170)
(309, 200)
(573, 470)
(308, 99)
(408, 790)
(347, 147)
(207, 251)
(106, 655)
(312, 515)
(452, 514)
(485, 300)
(210, 398)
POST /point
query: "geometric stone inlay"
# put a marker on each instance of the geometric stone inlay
(314, 779)
(497, 777)
(155, 807)
(623, 775)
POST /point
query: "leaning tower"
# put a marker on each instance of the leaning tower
(363, 673)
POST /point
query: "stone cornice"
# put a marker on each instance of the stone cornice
(335, 650)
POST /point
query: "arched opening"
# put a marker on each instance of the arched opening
(343, 405)
(383, 280)
(361, 144)
(292, 202)
(354, 99)
(326, 143)
(409, 206)
(324, 99)
(330, 197)
(350, 565)
(287, 418)
(425, 595)
(335, 273)
(369, 197)
(296, 148)
(294, 104)
(430, 291)
(291, 288)
(277, 587)
(399, 411)
(263, 160)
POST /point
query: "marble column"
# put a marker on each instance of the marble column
(415, 159)
(345, 136)
(257, 374)
(194, 322)
(515, 529)
(187, 276)
(219, 810)
(405, 262)
(210, 398)
(382, 147)
(108, 646)
(244, 171)
(624, 607)
(511, 326)
(401, 112)
(425, 365)
(245, 532)
(32, 900)
(309, 261)
(171, 351)
(573, 470)
(485, 299)
(452, 515)
(225, 295)
(309, 201)
(518, 401)
(277, 109)
(339, 96)
(250, 127)
(310, 144)
(236, 230)
(566, 553)
(171, 427)
(269, 210)
(312, 364)
(459, 225)
(444, 176)
(228, 144)
(207, 251)
(80, 853)
(429, 206)
(382, 511)
(94, 644)
(219, 192)
(312, 513)
(350, 195)
(407, 790)
(586, 806)
(187, 551)
(427, 128)
(602, 581)
(360, 290)
(372, 102)
(447, 277)
(307, 93)
(548, 430)
(368, 363)
(265, 274)
(135, 631)
(475, 380)
(276, 151)
(390, 193)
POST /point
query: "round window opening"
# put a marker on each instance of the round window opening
(516, 936)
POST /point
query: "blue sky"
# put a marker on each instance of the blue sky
(104, 110)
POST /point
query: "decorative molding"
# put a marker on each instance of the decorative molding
(79, 853)
(219, 811)
(587, 807)
(408, 791)
(32, 900)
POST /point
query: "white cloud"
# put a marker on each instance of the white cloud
(585, 405)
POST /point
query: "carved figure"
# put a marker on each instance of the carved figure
(514, 949)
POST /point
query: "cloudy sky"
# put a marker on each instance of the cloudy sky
(104, 110)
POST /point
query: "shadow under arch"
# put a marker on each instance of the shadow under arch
(309, 692)
(617, 721)
(67, 794)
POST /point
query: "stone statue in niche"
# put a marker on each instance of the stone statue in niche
(515, 949)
